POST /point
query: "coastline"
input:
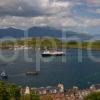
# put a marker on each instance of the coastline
(47, 44)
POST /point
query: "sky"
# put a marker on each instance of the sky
(79, 15)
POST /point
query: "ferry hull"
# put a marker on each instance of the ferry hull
(49, 55)
(59, 55)
(46, 55)
(31, 73)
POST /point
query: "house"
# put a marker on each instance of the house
(27, 90)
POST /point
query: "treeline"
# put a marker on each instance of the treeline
(49, 43)
(34, 42)
(10, 91)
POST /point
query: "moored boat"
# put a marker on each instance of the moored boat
(31, 73)
(3, 75)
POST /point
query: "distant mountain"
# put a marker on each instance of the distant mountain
(41, 32)
(48, 31)
(13, 32)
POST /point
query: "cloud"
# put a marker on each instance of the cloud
(53, 13)
(31, 7)
(95, 2)
(38, 12)
(98, 11)
(54, 21)
(21, 7)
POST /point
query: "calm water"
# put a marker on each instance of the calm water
(53, 72)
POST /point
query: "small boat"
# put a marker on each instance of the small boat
(31, 73)
(3, 75)
(52, 53)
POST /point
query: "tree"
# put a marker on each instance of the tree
(3, 92)
(93, 96)
(9, 91)
(34, 96)
(13, 91)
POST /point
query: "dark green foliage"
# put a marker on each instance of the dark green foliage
(93, 96)
(49, 43)
(9, 91)
(34, 96)
(31, 96)
(3, 92)
(12, 92)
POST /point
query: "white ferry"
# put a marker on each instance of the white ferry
(52, 53)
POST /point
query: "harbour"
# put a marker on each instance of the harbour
(53, 71)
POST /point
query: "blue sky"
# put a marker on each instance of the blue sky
(79, 15)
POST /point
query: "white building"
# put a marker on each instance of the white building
(27, 90)
(61, 88)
